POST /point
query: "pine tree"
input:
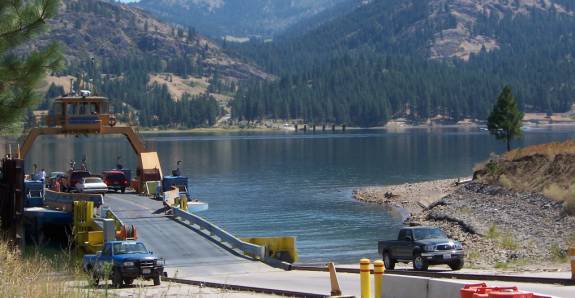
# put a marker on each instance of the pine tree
(505, 120)
(19, 76)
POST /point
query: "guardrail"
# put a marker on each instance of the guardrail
(252, 250)
(69, 198)
(118, 223)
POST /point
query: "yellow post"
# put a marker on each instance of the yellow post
(378, 277)
(184, 202)
(365, 275)
(572, 258)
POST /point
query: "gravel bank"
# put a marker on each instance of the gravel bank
(412, 197)
(499, 228)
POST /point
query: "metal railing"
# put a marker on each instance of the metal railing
(69, 198)
(252, 250)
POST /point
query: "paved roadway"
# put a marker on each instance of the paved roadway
(191, 255)
(183, 248)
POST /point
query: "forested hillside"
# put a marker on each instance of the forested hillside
(418, 59)
(133, 59)
(243, 18)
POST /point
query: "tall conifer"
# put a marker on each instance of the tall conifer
(20, 74)
(505, 120)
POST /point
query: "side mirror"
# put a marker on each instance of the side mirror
(407, 238)
(151, 252)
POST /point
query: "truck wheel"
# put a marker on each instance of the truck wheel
(456, 264)
(419, 263)
(123, 189)
(157, 280)
(128, 281)
(388, 262)
(117, 279)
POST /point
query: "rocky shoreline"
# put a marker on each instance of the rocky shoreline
(412, 197)
(499, 228)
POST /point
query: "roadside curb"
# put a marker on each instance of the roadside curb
(450, 275)
(232, 287)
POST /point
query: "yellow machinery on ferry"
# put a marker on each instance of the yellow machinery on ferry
(87, 114)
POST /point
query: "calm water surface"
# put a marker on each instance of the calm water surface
(286, 183)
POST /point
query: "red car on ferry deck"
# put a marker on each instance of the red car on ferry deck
(116, 180)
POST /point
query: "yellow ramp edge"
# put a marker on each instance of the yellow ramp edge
(281, 248)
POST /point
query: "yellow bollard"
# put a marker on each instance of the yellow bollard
(184, 203)
(572, 258)
(365, 275)
(378, 277)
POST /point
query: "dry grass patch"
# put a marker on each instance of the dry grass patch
(34, 274)
(178, 86)
(550, 150)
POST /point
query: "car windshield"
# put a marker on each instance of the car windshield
(92, 180)
(422, 234)
(129, 248)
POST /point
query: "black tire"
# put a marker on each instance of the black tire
(456, 264)
(419, 262)
(117, 279)
(388, 262)
(128, 281)
(157, 280)
(123, 189)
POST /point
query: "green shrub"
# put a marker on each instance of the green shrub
(557, 254)
(493, 168)
(493, 232)
(508, 242)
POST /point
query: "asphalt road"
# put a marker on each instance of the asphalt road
(191, 255)
(183, 248)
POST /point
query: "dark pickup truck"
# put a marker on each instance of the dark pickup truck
(123, 261)
(423, 246)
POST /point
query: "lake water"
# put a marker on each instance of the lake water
(287, 183)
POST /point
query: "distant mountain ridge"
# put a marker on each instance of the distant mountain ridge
(419, 60)
(154, 73)
(108, 30)
(462, 39)
(433, 28)
(236, 17)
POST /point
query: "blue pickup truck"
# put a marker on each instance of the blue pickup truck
(122, 262)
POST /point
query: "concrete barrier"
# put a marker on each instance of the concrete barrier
(401, 286)
(441, 288)
(397, 286)
(252, 250)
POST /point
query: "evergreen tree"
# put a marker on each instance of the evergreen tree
(505, 120)
(19, 76)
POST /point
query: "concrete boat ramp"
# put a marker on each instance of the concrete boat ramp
(187, 251)
(194, 256)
